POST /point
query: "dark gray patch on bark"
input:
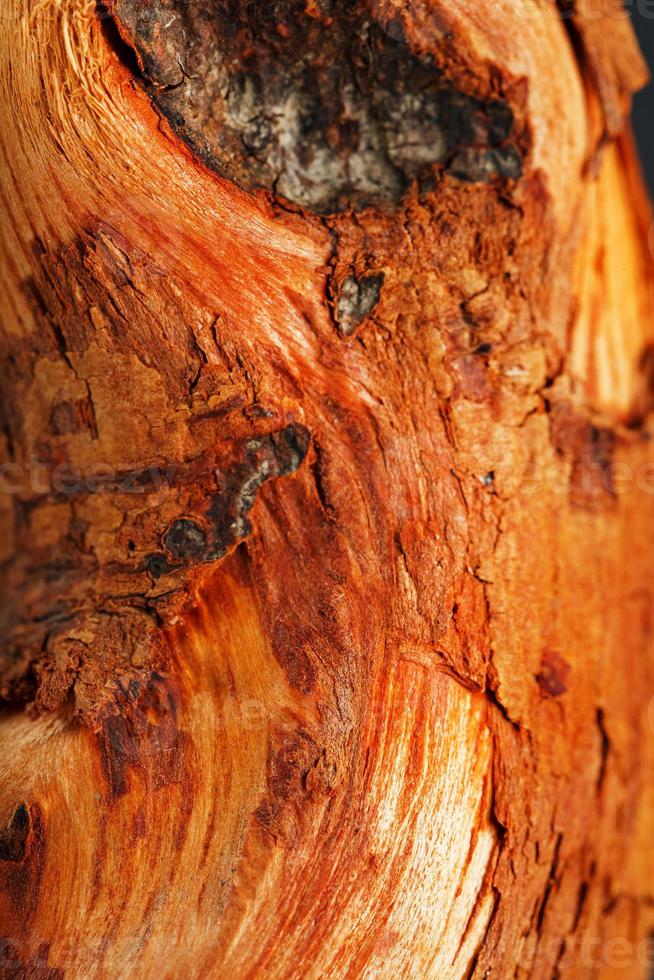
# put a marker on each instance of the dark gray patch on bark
(356, 300)
(328, 109)
(185, 540)
(226, 518)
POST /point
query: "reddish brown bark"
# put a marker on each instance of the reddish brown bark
(328, 498)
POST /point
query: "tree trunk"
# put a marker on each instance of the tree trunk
(327, 510)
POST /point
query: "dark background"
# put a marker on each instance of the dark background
(644, 102)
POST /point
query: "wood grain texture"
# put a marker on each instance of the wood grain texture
(326, 531)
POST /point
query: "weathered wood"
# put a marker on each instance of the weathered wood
(329, 491)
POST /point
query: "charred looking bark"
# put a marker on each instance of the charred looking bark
(318, 102)
(224, 519)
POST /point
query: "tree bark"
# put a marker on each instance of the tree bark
(327, 643)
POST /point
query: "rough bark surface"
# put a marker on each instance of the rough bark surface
(328, 491)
